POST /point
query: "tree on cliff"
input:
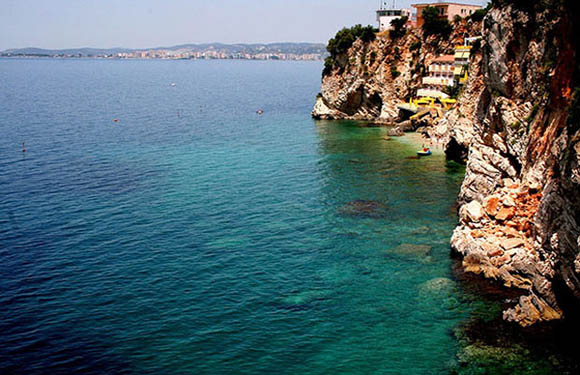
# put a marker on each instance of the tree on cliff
(399, 27)
(343, 40)
(433, 25)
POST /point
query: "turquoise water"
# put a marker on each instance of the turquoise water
(193, 236)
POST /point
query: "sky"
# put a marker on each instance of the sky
(58, 24)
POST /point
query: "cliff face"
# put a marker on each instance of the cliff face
(519, 219)
(370, 79)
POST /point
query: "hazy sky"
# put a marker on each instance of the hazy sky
(151, 23)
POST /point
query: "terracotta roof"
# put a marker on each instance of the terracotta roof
(444, 59)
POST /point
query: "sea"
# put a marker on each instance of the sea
(157, 224)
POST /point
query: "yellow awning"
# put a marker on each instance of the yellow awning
(462, 55)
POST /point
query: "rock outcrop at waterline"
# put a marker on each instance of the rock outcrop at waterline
(519, 219)
(516, 125)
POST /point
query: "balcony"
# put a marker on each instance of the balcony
(438, 81)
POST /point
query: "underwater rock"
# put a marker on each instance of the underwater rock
(395, 132)
(364, 209)
(412, 250)
(421, 230)
(305, 297)
(437, 285)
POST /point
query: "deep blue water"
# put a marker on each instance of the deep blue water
(194, 236)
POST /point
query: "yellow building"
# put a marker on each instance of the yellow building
(462, 54)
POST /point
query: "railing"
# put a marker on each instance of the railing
(439, 81)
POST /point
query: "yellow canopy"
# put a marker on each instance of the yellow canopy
(462, 55)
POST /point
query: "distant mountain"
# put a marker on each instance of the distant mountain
(251, 49)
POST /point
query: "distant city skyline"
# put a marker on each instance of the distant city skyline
(60, 24)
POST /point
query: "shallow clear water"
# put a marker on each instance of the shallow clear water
(194, 236)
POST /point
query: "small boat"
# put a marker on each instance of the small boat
(424, 152)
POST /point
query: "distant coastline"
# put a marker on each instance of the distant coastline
(210, 51)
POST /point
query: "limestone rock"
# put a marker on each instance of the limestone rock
(471, 212)
(505, 213)
(511, 243)
(523, 162)
(492, 206)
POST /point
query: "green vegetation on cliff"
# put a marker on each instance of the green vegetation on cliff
(399, 29)
(434, 25)
(343, 40)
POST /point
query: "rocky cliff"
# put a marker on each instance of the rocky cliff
(516, 125)
(368, 80)
(519, 215)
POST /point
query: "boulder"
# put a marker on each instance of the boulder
(492, 206)
(511, 243)
(505, 213)
(471, 212)
(395, 132)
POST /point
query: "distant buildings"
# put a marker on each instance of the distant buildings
(185, 54)
(447, 10)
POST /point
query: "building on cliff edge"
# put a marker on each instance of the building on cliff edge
(386, 16)
(440, 75)
(447, 10)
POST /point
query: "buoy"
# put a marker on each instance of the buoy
(259, 111)
(115, 120)
(173, 84)
(23, 148)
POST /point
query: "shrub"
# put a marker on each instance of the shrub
(453, 91)
(415, 46)
(328, 66)
(433, 25)
(394, 71)
(373, 57)
(476, 47)
(533, 113)
(399, 27)
(457, 19)
(397, 53)
(479, 14)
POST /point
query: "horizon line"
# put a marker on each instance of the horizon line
(166, 46)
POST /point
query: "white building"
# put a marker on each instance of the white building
(386, 16)
(441, 73)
